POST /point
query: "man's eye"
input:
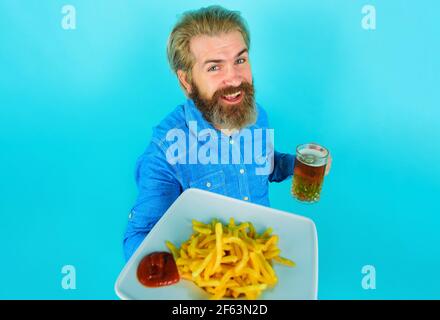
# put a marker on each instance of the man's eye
(213, 68)
(241, 60)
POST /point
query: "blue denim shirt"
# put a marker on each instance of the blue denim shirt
(186, 151)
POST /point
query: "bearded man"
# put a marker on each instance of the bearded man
(208, 50)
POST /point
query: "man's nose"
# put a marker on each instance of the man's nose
(233, 77)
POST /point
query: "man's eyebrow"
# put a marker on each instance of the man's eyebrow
(241, 52)
(220, 60)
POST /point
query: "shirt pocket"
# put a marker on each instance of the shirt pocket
(214, 182)
(260, 186)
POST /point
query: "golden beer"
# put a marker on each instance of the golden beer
(308, 172)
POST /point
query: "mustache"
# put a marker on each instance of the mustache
(245, 87)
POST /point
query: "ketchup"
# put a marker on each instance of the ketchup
(158, 269)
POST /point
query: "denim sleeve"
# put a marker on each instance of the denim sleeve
(283, 167)
(158, 187)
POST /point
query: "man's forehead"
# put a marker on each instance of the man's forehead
(225, 45)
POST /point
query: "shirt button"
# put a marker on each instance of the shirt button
(245, 198)
(241, 171)
(208, 184)
(231, 141)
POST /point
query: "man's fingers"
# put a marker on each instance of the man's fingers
(329, 164)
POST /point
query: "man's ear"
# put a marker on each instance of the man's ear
(183, 79)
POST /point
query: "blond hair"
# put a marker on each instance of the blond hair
(210, 21)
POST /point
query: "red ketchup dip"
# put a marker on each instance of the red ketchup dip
(158, 269)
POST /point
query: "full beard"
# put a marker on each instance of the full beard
(222, 116)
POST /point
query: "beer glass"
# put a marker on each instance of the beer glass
(308, 172)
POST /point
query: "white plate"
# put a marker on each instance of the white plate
(297, 241)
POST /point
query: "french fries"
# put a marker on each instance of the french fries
(229, 260)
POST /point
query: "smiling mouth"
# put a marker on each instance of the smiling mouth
(233, 98)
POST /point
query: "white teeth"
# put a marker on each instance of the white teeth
(232, 96)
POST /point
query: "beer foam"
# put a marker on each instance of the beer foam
(312, 157)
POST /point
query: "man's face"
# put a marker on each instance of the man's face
(221, 85)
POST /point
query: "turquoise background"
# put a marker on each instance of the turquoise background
(77, 108)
